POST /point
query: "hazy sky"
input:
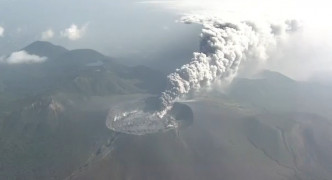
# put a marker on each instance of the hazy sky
(122, 28)
(146, 31)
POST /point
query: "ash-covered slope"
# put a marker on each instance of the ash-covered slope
(231, 138)
(227, 142)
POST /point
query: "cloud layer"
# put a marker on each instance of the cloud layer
(74, 32)
(23, 57)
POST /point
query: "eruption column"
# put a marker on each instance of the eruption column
(222, 48)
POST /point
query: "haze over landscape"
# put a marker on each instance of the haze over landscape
(165, 90)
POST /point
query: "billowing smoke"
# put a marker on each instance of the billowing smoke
(222, 48)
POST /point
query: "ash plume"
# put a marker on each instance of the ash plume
(223, 47)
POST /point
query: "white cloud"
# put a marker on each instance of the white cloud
(2, 31)
(21, 57)
(48, 34)
(74, 32)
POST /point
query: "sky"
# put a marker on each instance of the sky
(122, 29)
(137, 31)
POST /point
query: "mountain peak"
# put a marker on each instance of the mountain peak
(44, 48)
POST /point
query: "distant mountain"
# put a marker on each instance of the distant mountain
(275, 91)
(82, 56)
(43, 48)
(84, 69)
